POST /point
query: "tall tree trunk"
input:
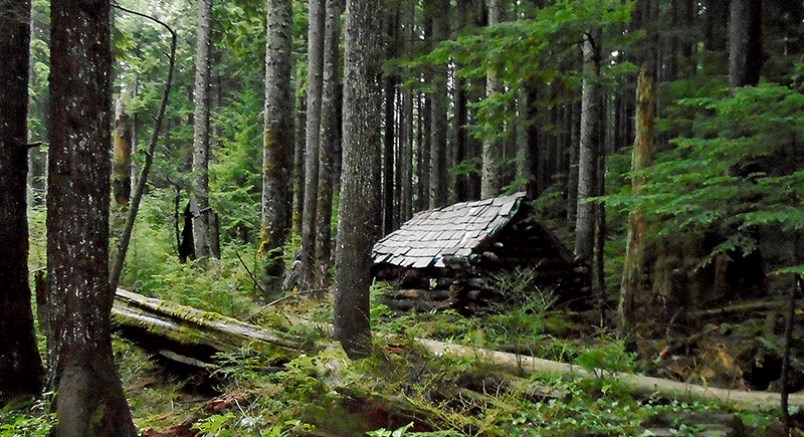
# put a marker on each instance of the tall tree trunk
(201, 228)
(408, 17)
(425, 126)
(359, 218)
(90, 399)
(529, 154)
(22, 368)
(439, 175)
(391, 18)
(277, 154)
(122, 153)
(461, 126)
(315, 70)
(329, 138)
(492, 147)
(633, 285)
(406, 166)
(598, 253)
(716, 19)
(745, 43)
(590, 147)
(300, 134)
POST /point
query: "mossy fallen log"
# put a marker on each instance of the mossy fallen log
(189, 335)
(179, 327)
(642, 384)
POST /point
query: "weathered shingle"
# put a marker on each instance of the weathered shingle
(455, 230)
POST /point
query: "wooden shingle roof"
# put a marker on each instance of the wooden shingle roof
(455, 230)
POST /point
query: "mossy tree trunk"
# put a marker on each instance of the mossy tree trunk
(590, 147)
(315, 71)
(201, 227)
(90, 399)
(19, 360)
(329, 140)
(277, 157)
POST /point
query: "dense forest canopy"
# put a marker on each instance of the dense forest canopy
(244, 157)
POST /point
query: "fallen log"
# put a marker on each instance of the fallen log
(188, 335)
(191, 328)
(642, 384)
(741, 308)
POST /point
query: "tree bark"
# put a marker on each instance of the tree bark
(717, 15)
(745, 43)
(122, 153)
(439, 174)
(90, 398)
(408, 17)
(490, 184)
(22, 368)
(329, 140)
(300, 112)
(589, 147)
(359, 218)
(201, 227)
(529, 153)
(389, 137)
(277, 153)
(461, 147)
(633, 284)
(315, 70)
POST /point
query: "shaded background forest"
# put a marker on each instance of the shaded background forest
(482, 101)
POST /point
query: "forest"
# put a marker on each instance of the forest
(401, 218)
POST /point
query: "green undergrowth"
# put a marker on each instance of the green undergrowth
(400, 390)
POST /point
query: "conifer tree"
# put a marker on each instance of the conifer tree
(359, 214)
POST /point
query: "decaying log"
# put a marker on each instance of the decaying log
(182, 325)
(642, 384)
(187, 335)
(772, 304)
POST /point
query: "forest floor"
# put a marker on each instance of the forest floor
(404, 390)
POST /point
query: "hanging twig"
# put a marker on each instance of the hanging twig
(136, 198)
(254, 279)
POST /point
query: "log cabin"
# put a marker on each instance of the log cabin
(455, 257)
